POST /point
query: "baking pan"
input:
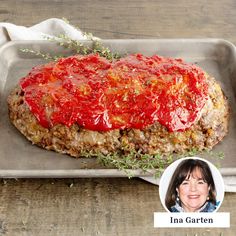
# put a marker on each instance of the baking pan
(19, 158)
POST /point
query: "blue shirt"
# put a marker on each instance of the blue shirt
(207, 207)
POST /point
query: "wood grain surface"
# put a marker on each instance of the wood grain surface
(108, 206)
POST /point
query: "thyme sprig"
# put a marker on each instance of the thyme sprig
(133, 160)
(77, 47)
(128, 161)
(45, 56)
(80, 47)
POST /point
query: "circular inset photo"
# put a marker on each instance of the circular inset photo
(191, 184)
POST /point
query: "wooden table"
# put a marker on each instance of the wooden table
(109, 206)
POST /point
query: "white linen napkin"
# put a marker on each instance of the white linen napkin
(48, 28)
(52, 28)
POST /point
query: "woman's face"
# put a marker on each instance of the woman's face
(193, 191)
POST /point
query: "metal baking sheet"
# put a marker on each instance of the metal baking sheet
(18, 158)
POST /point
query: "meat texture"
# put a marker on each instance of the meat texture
(209, 129)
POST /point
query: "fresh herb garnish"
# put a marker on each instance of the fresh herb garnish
(77, 47)
(45, 56)
(128, 161)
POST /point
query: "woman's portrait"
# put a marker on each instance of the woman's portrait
(191, 188)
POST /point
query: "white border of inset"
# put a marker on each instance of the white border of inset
(191, 220)
(167, 174)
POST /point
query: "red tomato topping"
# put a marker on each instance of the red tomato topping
(132, 92)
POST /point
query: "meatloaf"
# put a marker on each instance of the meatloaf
(152, 128)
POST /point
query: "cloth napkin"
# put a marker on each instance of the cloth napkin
(52, 28)
(48, 28)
